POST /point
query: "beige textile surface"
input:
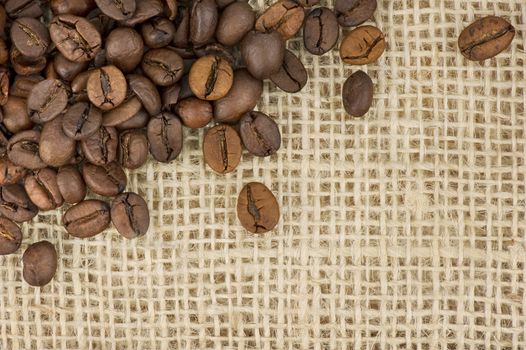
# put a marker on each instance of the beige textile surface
(405, 229)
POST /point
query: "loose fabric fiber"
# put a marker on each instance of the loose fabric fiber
(401, 230)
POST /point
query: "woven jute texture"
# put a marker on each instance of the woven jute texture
(401, 230)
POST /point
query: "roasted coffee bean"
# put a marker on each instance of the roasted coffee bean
(42, 189)
(23, 8)
(24, 65)
(75, 37)
(55, 147)
(362, 45)
(260, 134)
(22, 85)
(66, 69)
(211, 78)
(124, 48)
(3, 18)
(146, 92)
(101, 22)
(285, 17)
(263, 53)
(4, 52)
(203, 21)
(40, 263)
(351, 13)
(138, 121)
(16, 118)
(124, 112)
(117, 9)
(308, 3)
(185, 90)
(130, 215)
(292, 75)
(23, 149)
(50, 72)
(72, 7)
(163, 66)
(81, 120)
(193, 112)
(101, 147)
(79, 85)
(15, 204)
(257, 208)
(357, 94)
(47, 100)
(485, 38)
(5, 135)
(87, 218)
(10, 173)
(107, 180)
(144, 10)
(170, 97)
(30, 36)
(182, 26)
(158, 32)
(165, 135)
(170, 9)
(106, 87)
(320, 31)
(235, 21)
(242, 97)
(71, 184)
(222, 148)
(10, 236)
(214, 49)
(133, 149)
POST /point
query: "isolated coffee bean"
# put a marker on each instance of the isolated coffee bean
(193, 112)
(144, 10)
(81, 120)
(23, 149)
(40, 263)
(75, 37)
(42, 189)
(101, 147)
(23, 8)
(130, 215)
(106, 87)
(138, 121)
(203, 21)
(72, 7)
(107, 180)
(320, 31)
(260, 134)
(124, 112)
(285, 17)
(117, 9)
(55, 147)
(15, 204)
(362, 45)
(163, 66)
(10, 173)
(257, 208)
(30, 36)
(66, 69)
(158, 32)
(351, 13)
(124, 48)
(165, 135)
(210, 78)
(485, 38)
(235, 21)
(263, 53)
(182, 26)
(71, 184)
(10, 236)
(222, 148)
(15, 114)
(47, 100)
(133, 149)
(146, 92)
(87, 218)
(357, 94)
(292, 76)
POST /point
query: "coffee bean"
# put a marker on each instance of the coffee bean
(260, 134)
(15, 204)
(292, 75)
(351, 13)
(107, 180)
(40, 263)
(5, 135)
(30, 36)
(203, 21)
(130, 215)
(124, 112)
(158, 32)
(3, 18)
(257, 208)
(42, 189)
(118, 10)
(235, 21)
(10, 236)
(23, 149)
(308, 3)
(193, 112)
(87, 218)
(222, 148)
(210, 78)
(24, 65)
(138, 121)
(55, 147)
(101, 147)
(72, 7)
(47, 100)
(71, 184)
(214, 49)
(75, 37)
(106, 87)
(4, 52)
(79, 85)
(133, 149)
(101, 22)
(185, 90)
(170, 9)
(170, 96)
(22, 85)
(285, 17)
(320, 31)
(357, 94)
(362, 45)
(66, 69)
(144, 10)
(81, 120)
(165, 135)
(124, 48)
(50, 72)
(182, 26)
(23, 8)
(485, 38)
(146, 92)
(163, 66)
(16, 118)
(263, 53)
(10, 173)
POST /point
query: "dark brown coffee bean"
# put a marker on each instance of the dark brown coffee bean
(66, 69)
(3, 18)
(107, 180)
(242, 97)
(15, 204)
(10, 236)
(124, 112)
(170, 9)
(158, 32)
(117, 9)
(22, 85)
(146, 92)
(222, 148)
(23, 149)
(100, 59)
(235, 21)
(47, 100)
(285, 17)
(257, 208)
(214, 49)
(5, 135)
(292, 75)
(23, 8)
(124, 48)
(170, 97)
(263, 53)
(357, 94)
(4, 52)
(185, 90)
(101, 22)
(79, 85)
(75, 37)
(321, 31)
(30, 36)
(138, 121)
(72, 7)
(10, 173)
(100, 148)
(81, 120)
(224, 3)
(87, 218)
(485, 38)
(133, 149)
(144, 10)
(16, 118)
(71, 184)
(24, 65)
(362, 45)
(40, 263)
(42, 189)
(106, 87)
(193, 112)
(130, 215)
(182, 26)
(165, 135)
(211, 78)
(163, 66)
(56, 148)
(260, 134)
(351, 13)
(203, 21)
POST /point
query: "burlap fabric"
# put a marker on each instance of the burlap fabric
(404, 229)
